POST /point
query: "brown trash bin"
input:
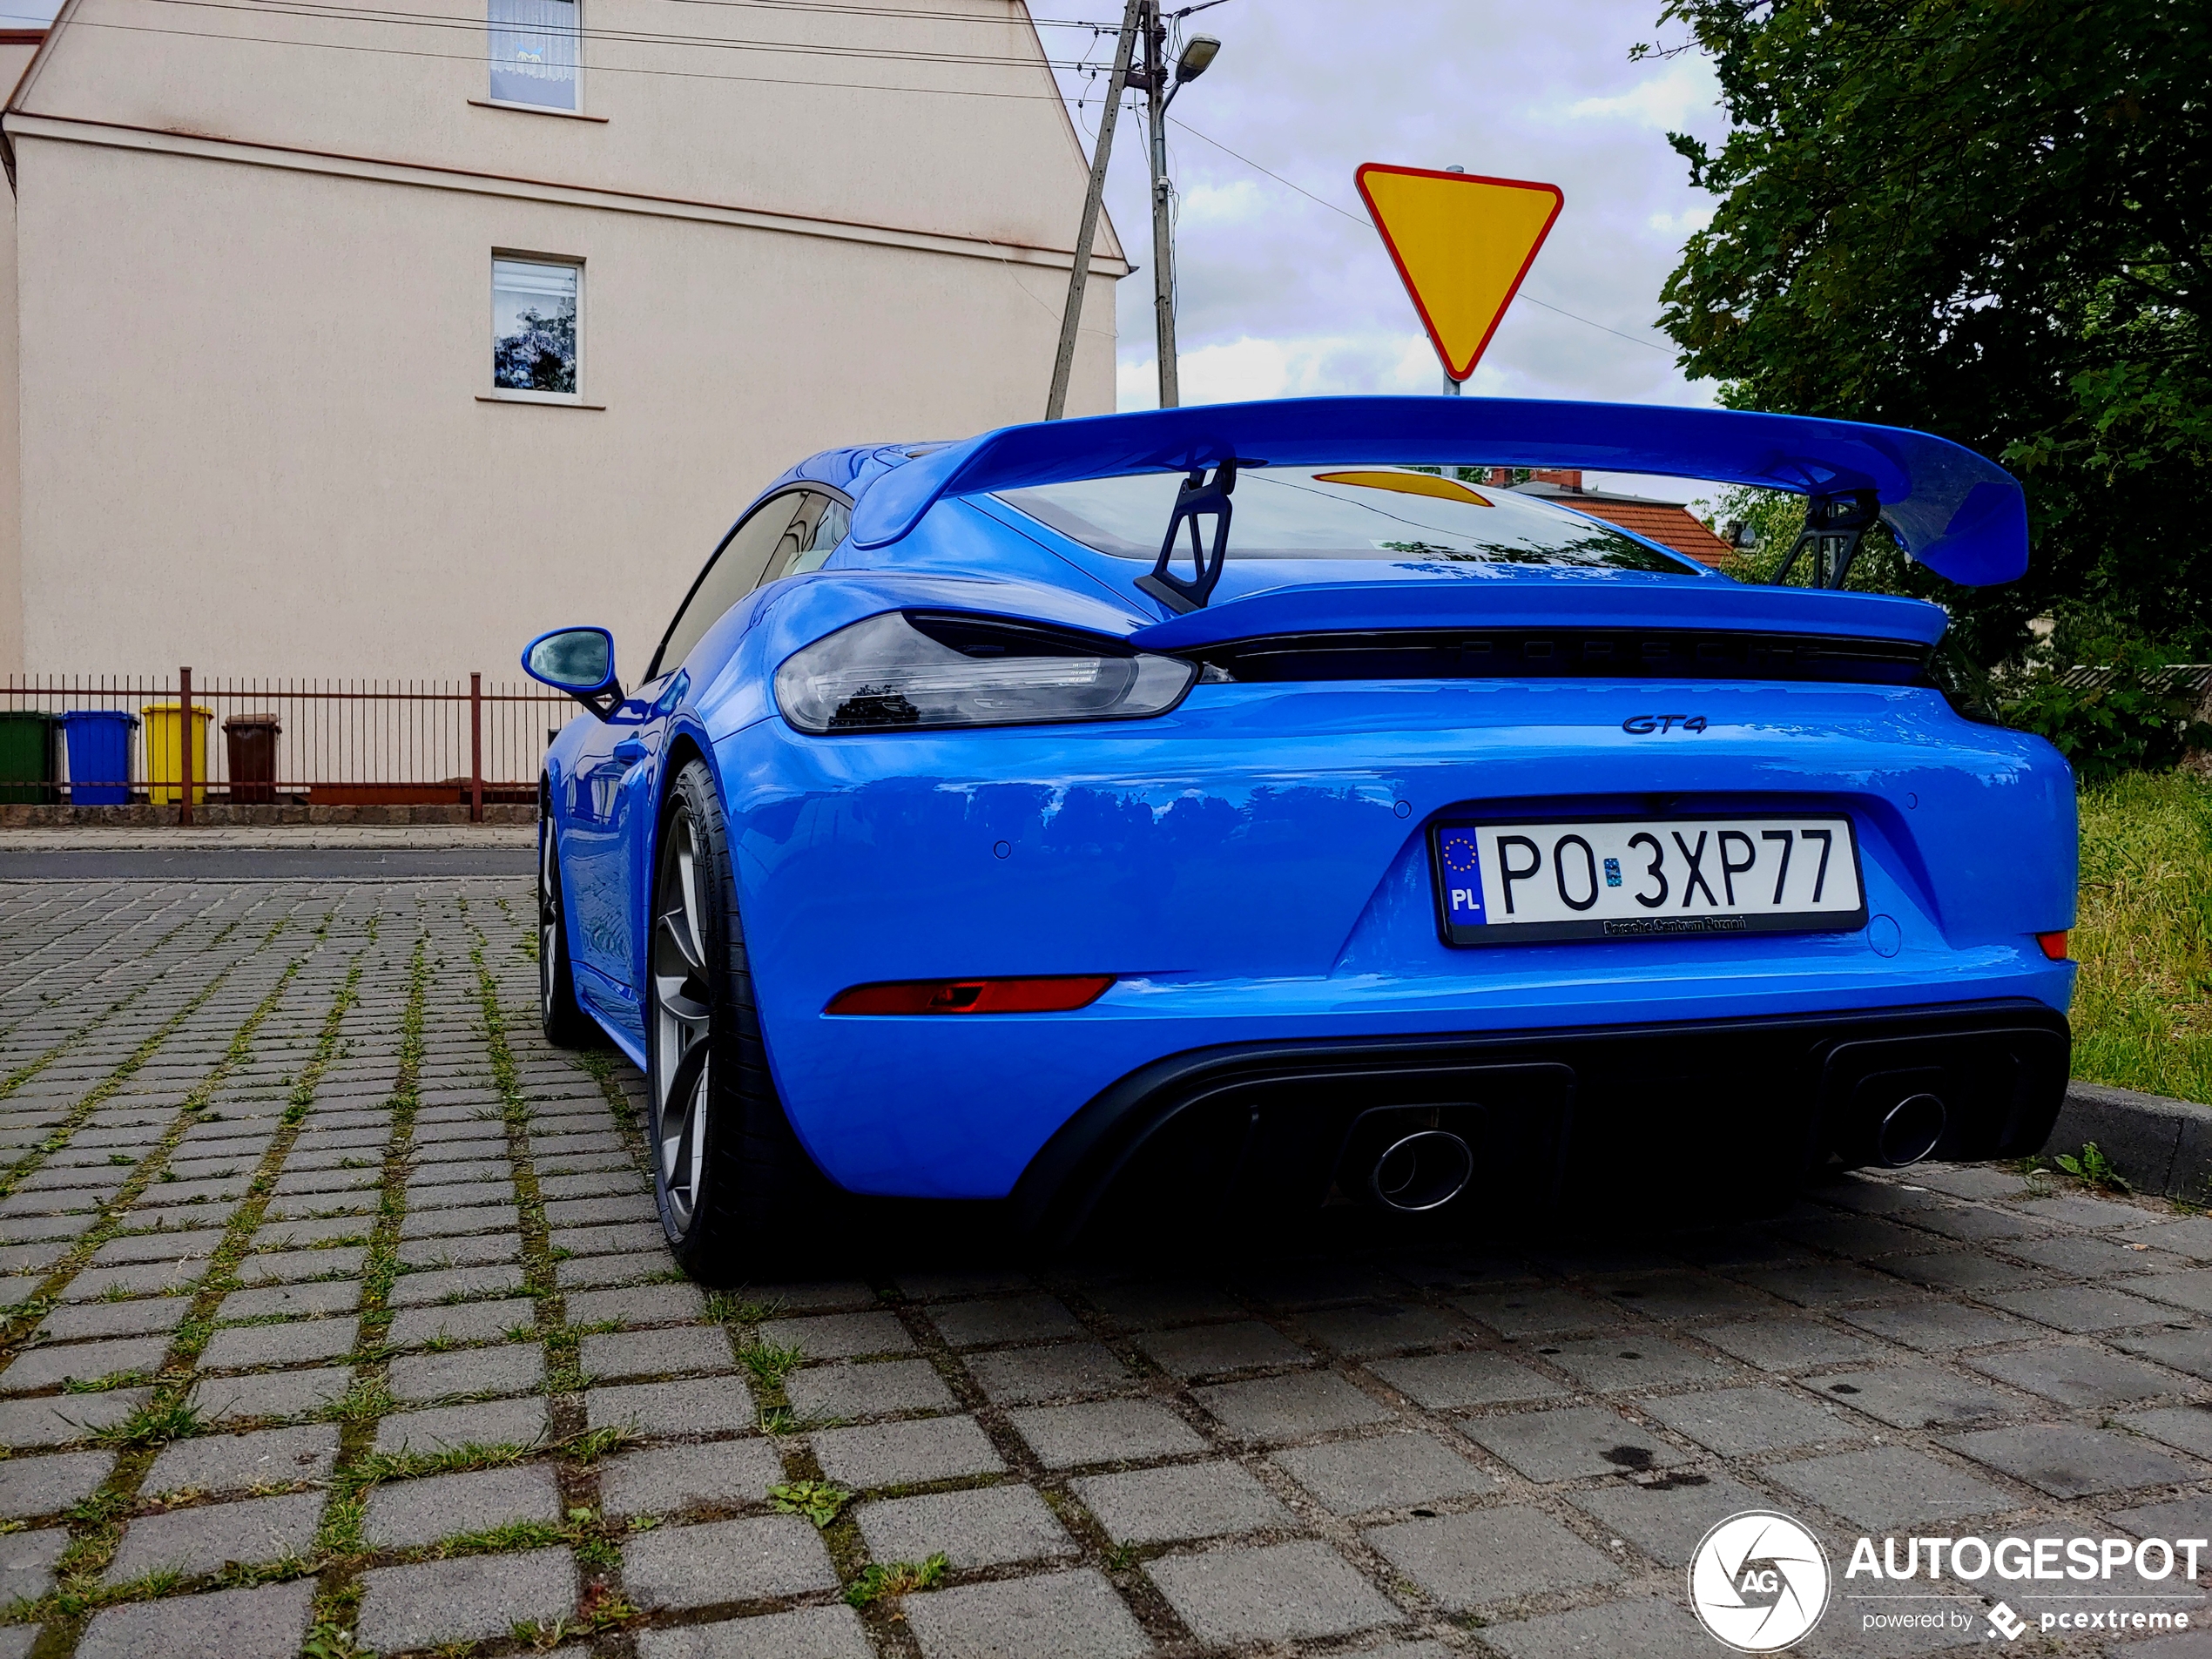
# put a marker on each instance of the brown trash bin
(252, 740)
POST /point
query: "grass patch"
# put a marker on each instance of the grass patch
(816, 1499)
(2142, 1010)
(770, 1362)
(878, 1580)
(155, 1423)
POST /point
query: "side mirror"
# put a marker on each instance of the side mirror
(580, 661)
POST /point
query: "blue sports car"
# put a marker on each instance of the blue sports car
(1230, 809)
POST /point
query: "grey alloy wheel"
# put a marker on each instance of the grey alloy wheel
(682, 1011)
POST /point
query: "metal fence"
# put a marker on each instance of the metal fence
(296, 742)
(2173, 680)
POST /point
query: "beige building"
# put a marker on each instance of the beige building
(364, 341)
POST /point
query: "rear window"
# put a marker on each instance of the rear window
(1345, 513)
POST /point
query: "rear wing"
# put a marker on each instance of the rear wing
(1961, 515)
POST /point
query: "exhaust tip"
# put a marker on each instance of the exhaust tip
(1424, 1171)
(1910, 1129)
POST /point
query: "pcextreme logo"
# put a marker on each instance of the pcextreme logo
(1758, 1581)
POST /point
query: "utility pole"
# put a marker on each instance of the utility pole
(1157, 91)
(1071, 318)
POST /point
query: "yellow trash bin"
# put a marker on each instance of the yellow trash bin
(164, 775)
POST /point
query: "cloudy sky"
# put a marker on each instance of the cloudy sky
(1280, 295)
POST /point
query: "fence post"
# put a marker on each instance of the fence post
(184, 747)
(476, 748)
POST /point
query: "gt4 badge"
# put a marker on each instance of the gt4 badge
(1643, 723)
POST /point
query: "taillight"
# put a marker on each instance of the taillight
(1038, 995)
(2054, 944)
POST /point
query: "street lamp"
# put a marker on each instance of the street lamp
(1197, 57)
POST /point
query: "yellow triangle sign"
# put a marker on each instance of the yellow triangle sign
(1461, 243)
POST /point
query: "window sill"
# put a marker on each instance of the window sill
(534, 109)
(549, 400)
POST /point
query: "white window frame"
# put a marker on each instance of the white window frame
(576, 78)
(494, 393)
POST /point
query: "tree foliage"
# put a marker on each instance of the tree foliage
(1987, 218)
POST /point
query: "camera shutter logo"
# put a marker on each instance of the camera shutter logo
(1759, 1582)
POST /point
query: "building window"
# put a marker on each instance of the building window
(533, 326)
(534, 52)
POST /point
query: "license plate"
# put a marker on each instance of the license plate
(1500, 884)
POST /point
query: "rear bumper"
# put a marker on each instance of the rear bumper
(1738, 1106)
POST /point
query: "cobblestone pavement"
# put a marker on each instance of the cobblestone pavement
(339, 1317)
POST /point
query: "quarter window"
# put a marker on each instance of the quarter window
(534, 52)
(533, 326)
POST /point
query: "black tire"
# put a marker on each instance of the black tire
(739, 1196)
(567, 1026)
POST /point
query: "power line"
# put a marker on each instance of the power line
(1357, 220)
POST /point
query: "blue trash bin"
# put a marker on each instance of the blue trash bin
(99, 753)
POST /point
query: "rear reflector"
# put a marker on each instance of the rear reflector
(2053, 945)
(1055, 995)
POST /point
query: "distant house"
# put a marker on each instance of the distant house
(1663, 521)
(369, 341)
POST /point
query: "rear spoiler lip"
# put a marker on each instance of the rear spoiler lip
(1960, 515)
(1383, 607)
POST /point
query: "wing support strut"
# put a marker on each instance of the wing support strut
(1199, 497)
(1834, 525)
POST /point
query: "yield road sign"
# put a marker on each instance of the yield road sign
(1461, 243)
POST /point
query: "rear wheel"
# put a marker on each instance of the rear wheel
(567, 1026)
(733, 1184)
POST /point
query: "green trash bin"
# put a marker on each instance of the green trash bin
(27, 757)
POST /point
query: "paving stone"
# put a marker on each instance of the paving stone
(147, 1279)
(266, 1622)
(463, 1600)
(1576, 1440)
(652, 1353)
(405, 1515)
(28, 1560)
(1821, 1284)
(839, 1336)
(464, 1322)
(1383, 1327)
(697, 1406)
(303, 1235)
(2081, 1307)
(1384, 1471)
(289, 1266)
(2187, 1517)
(141, 1318)
(2185, 1350)
(1967, 1269)
(1276, 1593)
(806, 1633)
(1443, 1381)
(1150, 1304)
(1936, 1327)
(1737, 1421)
(1891, 1487)
(1632, 1360)
(844, 1390)
(42, 1485)
(1541, 1312)
(1791, 1345)
(1070, 1616)
(515, 1368)
(332, 1296)
(2079, 1211)
(661, 1480)
(235, 1347)
(726, 1561)
(1290, 1408)
(200, 1540)
(271, 1394)
(1646, 1627)
(2069, 1461)
(622, 1239)
(57, 1420)
(1023, 1375)
(946, 1284)
(1916, 1396)
(47, 1367)
(491, 1422)
(1208, 1349)
(2190, 1289)
(639, 1305)
(160, 1247)
(424, 1289)
(1110, 1431)
(2095, 1256)
(1680, 1295)
(1184, 1500)
(2188, 1428)
(473, 1218)
(2076, 1376)
(890, 1455)
(268, 1457)
(590, 1272)
(481, 1249)
(1666, 1518)
(2189, 1235)
(1007, 1319)
(988, 1527)
(1488, 1555)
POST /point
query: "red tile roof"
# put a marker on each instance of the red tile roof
(1671, 526)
